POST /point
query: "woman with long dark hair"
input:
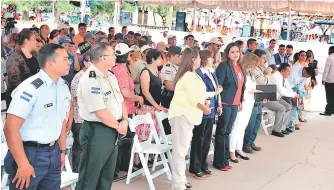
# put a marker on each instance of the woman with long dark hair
(23, 63)
(310, 83)
(232, 78)
(186, 110)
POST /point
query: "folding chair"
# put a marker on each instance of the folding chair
(146, 147)
(68, 177)
(212, 147)
(165, 139)
(268, 121)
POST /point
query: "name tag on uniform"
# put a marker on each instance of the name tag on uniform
(48, 105)
(107, 93)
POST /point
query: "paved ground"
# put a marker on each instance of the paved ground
(300, 161)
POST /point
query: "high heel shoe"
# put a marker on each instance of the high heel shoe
(234, 160)
(241, 156)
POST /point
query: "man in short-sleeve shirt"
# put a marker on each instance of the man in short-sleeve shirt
(102, 107)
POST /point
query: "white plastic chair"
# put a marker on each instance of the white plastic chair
(269, 121)
(146, 147)
(212, 147)
(165, 139)
(68, 177)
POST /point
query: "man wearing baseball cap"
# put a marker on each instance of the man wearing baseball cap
(214, 46)
(67, 43)
(63, 29)
(138, 67)
(89, 37)
(171, 41)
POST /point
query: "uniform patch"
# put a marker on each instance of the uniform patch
(167, 72)
(37, 83)
(24, 98)
(257, 76)
(48, 105)
(27, 94)
(95, 90)
(92, 74)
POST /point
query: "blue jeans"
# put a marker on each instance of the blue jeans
(293, 118)
(222, 137)
(46, 163)
(254, 125)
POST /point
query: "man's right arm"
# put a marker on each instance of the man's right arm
(14, 140)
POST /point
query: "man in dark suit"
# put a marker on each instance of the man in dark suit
(280, 57)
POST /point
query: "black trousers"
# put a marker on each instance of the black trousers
(329, 87)
(76, 148)
(222, 137)
(200, 146)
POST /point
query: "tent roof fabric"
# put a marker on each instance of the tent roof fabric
(307, 6)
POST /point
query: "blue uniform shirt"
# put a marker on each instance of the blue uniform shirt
(43, 108)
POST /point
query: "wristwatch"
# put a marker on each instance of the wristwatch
(63, 151)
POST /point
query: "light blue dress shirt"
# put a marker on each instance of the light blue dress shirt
(43, 108)
(296, 78)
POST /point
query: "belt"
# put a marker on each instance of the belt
(38, 145)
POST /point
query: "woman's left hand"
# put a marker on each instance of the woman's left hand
(240, 108)
(219, 111)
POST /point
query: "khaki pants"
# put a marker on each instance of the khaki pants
(182, 132)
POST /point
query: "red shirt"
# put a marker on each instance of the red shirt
(240, 77)
(241, 80)
(125, 81)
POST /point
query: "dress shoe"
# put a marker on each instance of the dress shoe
(241, 156)
(285, 132)
(234, 160)
(326, 114)
(289, 130)
(277, 134)
(297, 128)
(256, 148)
(199, 175)
(207, 172)
(248, 149)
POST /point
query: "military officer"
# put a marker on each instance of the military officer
(35, 128)
(105, 116)
(168, 73)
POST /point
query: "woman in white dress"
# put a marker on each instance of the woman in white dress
(238, 131)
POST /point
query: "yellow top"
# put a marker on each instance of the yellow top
(189, 91)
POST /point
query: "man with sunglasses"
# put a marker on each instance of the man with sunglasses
(102, 107)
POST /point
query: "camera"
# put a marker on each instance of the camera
(10, 24)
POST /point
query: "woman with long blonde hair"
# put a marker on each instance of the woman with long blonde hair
(186, 110)
(249, 61)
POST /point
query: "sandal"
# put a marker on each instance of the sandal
(188, 185)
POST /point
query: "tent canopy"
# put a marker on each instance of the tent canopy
(307, 6)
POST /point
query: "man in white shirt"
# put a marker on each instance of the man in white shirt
(328, 81)
(289, 53)
(270, 51)
(281, 108)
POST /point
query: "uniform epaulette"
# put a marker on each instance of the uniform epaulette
(92, 74)
(37, 83)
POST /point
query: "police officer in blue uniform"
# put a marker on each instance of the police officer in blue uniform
(36, 124)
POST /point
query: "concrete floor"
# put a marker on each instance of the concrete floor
(301, 161)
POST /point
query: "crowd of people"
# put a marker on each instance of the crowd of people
(91, 84)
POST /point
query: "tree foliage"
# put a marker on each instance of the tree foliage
(128, 6)
(64, 6)
(104, 7)
(29, 4)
